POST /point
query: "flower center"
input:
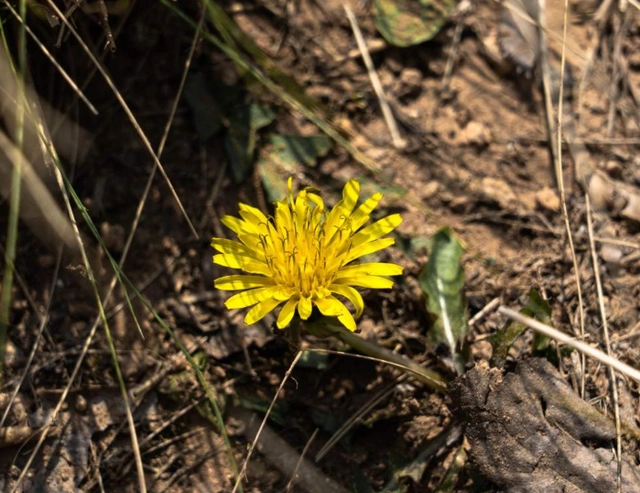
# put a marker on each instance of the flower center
(302, 256)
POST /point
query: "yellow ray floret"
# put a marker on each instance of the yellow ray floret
(305, 255)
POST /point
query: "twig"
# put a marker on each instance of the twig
(571, 342)
(489, 307)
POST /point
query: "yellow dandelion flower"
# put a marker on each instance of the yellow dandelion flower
(304, 256)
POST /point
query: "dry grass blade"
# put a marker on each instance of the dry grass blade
(560, 180)
(80, 360)
(616, 241)
(243, 471)
(37, 208)
(54, 62)
(18, 96)
(44, 319)
(607, 342)
(163, 140)
(357, 416)
(615, 92)
(50, 153)
(281, 455)
(129, 114)
(398, 141)
(289, 487)
(429, 377)
(273, 80)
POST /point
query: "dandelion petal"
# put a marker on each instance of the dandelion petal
(347, 320)
(287, 312)
(361, 215)
(352, 295)
(377, 230)
(259, 311)
(372, 282)
(330, 306)
(249, 298)
(235, 282)
(370, 269)
(305, 307)
(368, 248)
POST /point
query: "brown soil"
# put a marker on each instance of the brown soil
(477, 159)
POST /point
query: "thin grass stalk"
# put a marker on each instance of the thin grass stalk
(124, 280)
(128, 112)
(14, 201)
(64, 184)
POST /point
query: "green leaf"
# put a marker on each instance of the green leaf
(359, 481)
(314, 361)
(279, 411)
(449, 483)
(403, 470)
(411, 245)
(287, 155)
(502, 341)
(207, 114)
(329, 422)
(240, 141)
(410, 22)
(295, 148)
(442, 281)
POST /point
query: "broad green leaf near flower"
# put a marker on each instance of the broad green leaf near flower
(305, 256)
(286, 156)
(442, 280)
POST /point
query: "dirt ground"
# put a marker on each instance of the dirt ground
(477, 157)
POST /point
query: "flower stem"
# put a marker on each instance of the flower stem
(324, 328)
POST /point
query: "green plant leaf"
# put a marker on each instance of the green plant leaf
(502, 341)
(286, 156)
(279, 411)
(314, 361)
(450, 480)
(442, 281)
(359, 481)
(403, 470)
(410, 22)
(295, 148)
(240, 141)
(207, 113)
